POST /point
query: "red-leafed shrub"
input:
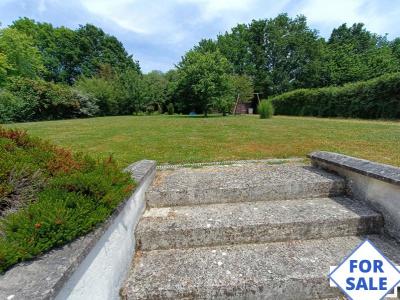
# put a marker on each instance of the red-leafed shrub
(50, 196)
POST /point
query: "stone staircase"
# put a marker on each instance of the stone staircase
(251, 231)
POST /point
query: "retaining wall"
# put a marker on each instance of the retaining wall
(91, 267)
(375, 183)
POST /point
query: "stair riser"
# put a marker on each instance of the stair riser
(288, 270)
(291, 289)
(260, 233)
(296, 190)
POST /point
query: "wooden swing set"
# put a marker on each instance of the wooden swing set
(242, 107)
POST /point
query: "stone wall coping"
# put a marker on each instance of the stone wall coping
(44, 276)
(367, 168)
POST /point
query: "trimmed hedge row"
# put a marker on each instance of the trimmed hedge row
(372, 99)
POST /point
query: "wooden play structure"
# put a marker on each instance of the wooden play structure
(246, 107)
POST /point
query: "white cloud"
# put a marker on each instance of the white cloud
(42, 6)
(228, 13)
(331, 11)
(210, 9)
(122, 12)
(176, 25)
(160, 31)
(329, 14)
(175, 20)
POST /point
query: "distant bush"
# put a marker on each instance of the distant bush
(224, 104)
(265, 109)
(87, 104)
(150, 110)
(104, 91)
(139, 113)
(25, 99)
(170, 108)
(11, 107)
(372, 99)
(50, 196)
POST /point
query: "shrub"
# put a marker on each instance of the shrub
(170, 108)
(50, 196)
(150, 110)
(265, 109)
(87, 104)
(139, 113)
(108, 92)
(375, 98)
(30, 100)
(224, 104)
(11, 107)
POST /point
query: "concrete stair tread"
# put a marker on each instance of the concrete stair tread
(289, 270)
(238, 176)
(247, 222)
(249, 182)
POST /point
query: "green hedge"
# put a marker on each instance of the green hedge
(50, 196)
(372, 99)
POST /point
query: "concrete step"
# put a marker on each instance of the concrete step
(285, 270)
(238, 183)
(254, 222)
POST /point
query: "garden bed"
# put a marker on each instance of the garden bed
(50, 196)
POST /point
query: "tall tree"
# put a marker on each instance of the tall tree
(206, 45)
(354, 53)
(154, 91)
(203, 80)
(98, 48)
(131, 89)
(235, 46)
(283, 53)
(279, 54)
(395, 45)
(5, 68)
(68, 54)
(19, 55)
(293, 51)
(243, 87)
(172, 77)
(59, 48)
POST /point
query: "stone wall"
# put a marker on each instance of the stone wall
(375, 183)
(93, 266)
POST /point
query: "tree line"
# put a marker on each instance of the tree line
(283, 54)
(51, 72)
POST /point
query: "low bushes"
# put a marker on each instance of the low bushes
(375, 98)
(265, 109)
(25, 99)
(11, 107)
(50, 196)
(170, 109)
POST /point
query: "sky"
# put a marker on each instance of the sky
(159, 32)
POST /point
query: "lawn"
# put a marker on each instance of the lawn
(177, 139)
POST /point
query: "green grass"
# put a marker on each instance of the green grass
(177, 139)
